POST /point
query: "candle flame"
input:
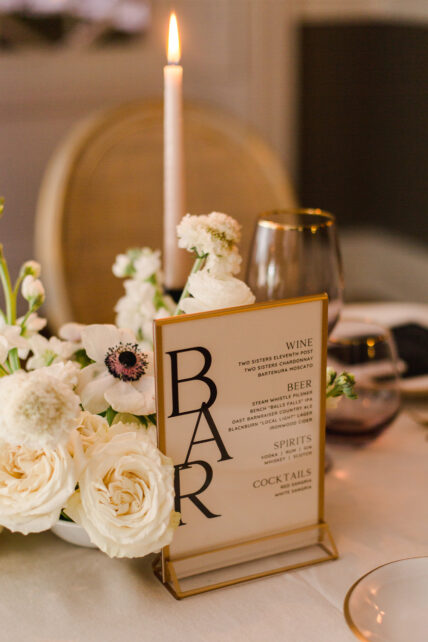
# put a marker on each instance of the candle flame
(173, 41)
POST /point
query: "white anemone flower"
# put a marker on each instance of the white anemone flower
(122, 375)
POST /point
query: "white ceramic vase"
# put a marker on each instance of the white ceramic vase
(72, 533)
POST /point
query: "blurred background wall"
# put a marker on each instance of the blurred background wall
(337, 87)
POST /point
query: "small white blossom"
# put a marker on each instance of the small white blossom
(48, 351)
(147, 264)
(37, 410)
(33, 290)
(33, 324)
(12, 334)
(122, 266)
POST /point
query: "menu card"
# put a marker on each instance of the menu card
(241, 408)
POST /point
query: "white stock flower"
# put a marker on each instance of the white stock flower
(31, 268)
(34, 486)
(122, 375)
(48, 351)
(38, 410)
(32, 289)
(141, 292)
(211, 293)
(125, 499)
(147, 264)
(122, 266)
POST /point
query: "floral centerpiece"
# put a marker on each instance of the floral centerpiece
(78, 412)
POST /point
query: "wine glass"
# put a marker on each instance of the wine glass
(296, 253)
(368, 351)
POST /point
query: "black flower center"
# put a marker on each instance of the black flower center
(127, 358)
(126, 361)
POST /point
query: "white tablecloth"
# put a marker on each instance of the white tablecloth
(376, 505)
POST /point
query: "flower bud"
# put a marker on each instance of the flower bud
(33, 291)
(31, 268)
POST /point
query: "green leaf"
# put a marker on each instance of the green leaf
(110, 415)
(82, 358)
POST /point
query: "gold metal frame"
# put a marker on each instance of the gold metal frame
(163, 566)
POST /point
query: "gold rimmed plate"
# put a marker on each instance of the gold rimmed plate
(389, 604)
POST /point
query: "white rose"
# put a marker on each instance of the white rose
(211, 293)
(33, 290)
(38, 410)
(125, 499)
(35, 485)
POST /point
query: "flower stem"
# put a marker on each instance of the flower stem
(3, 371)
(196, 267)
(10, 299)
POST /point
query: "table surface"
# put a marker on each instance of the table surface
(51, 591)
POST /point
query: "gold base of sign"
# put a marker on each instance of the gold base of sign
(246, 561)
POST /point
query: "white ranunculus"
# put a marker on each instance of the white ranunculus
(34, 486)
(33, 290)
(125, 499)
(122, 375)
(211, 293)
(38, 410)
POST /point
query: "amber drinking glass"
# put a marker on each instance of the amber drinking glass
(368, 351)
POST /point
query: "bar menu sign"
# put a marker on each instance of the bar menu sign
(241, 407)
